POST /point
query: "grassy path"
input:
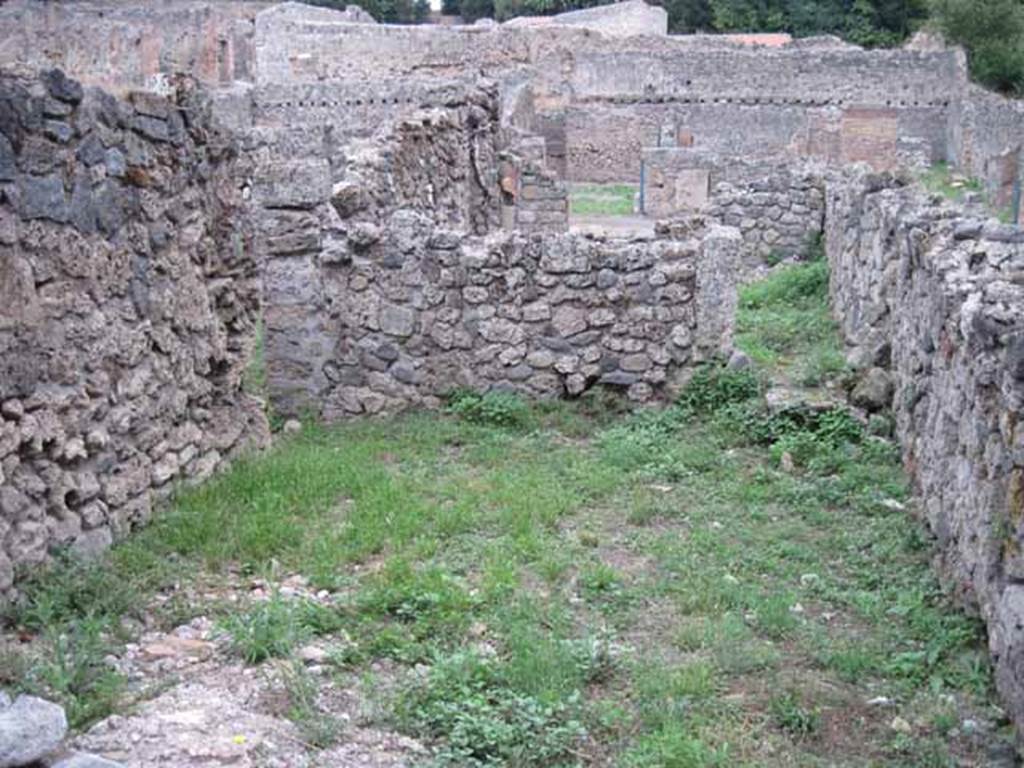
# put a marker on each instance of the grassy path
(567, 585)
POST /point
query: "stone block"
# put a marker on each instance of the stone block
(61, 87)
(397, 320)
(568, 321)
(30, 729)
(299, 183)
(42, 197)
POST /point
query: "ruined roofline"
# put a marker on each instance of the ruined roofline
(298, 17)
(565, 24)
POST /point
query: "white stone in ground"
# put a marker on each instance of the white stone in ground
(86, 761)
(219, 712)
(225, 716)
(30, 729)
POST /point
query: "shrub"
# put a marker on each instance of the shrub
(992, 31)
(74, 671)
(494, 409)
(792, 716)
(274, 627)
(465, 702)
(714, 387)
(68, 590)
(729, 400)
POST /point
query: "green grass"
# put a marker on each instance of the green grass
(254, 377)
(601, 199)
(317, 728)
(940, 179)
(275, 627)
(790, 714)
(783, 323)
(567, 584)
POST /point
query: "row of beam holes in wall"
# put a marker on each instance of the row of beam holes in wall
(755, 101)
(749, 100)
(346, 103)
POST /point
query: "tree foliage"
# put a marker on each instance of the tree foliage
(992, 32)
(865, 22)
(388, 11)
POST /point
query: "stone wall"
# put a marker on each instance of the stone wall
(542, 201)
(599, 93)
(987, 135)
(938, 299)
(324, 202)
(780, 216)
(534, 198)
(437, 155)
(840, 104)
(424, 310)
(628, 17)
(605, 139)
(779, 208)
(601, 98)
(120, 46)
(441, 162)
(128, 299)
(352, 109)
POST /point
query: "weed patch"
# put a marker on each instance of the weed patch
(317, 728)
(561, 584)
(783, 323)
(465, 702)
(495, 409)
(793, 716)
(274, 627)
(73, 670)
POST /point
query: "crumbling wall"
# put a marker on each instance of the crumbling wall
(533, 197)
(322, 201)
(541, 201)
(600, 98)
(780, 213)
(437, 156)
(779, 208)
(293, 45)
(840, 104)
(441, 162)
(128, 301)
(629, 17)
(938, 299)
(606, 95)
(120, 46)
(422, 310)
(606, 137)
(353, 109)
(987, 139)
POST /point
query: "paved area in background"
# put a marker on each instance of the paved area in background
(612, 226)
